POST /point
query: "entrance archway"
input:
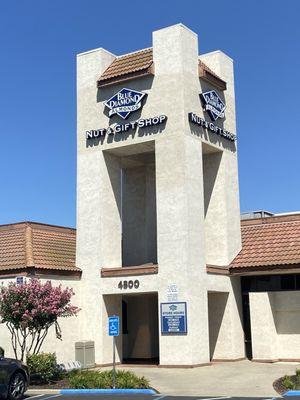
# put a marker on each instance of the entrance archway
(140, 328)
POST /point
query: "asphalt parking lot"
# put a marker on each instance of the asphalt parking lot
(49, 396)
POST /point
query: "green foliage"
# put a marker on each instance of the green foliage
(292, 382)
(103, 380)
(288, 382)
(43, 368)
(297, 379)
(1, 352)
(88, 380)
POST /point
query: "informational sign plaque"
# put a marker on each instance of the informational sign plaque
(173, 318)
(172, 293)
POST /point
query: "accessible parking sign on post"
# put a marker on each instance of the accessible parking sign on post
(173, 318)
(114, 330)
(113, 326)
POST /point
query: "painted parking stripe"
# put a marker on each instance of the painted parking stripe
(216, 398)
(33, 397)
(159, 397)
(106, 391)
(52, 396)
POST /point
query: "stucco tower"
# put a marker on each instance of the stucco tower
(158, 200)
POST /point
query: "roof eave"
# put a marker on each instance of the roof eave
(265, 269)
(217, 269)
(212, 79)
(148, 71)
(37, 270)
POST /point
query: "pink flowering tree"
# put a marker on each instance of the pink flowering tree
(30, 309)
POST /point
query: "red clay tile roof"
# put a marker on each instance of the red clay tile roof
(206, 73)
(140, 63)
(269, 242)
(32, 245)
(127, 65)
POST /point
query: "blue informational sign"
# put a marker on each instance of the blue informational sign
(173, 318)
(113, 326)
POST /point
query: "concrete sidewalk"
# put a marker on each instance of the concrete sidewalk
(240, 379)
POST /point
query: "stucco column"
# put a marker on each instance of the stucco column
(97, 202)
(180, 238)
(179, 185)
(222, 219)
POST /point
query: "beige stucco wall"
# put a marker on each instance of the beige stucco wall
(219, 323)
(222, 211)
(275, 325)
(225, 317)
(139, 216)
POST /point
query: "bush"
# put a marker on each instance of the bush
(292, 382)
(30, 309)
(1, 352)
(297, 379)
(288, 383)
(103, 380)
(43, 368)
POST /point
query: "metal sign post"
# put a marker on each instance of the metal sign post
(114, 363)
(114, 330)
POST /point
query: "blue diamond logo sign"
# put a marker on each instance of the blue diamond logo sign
(124, 102)
(213, 104)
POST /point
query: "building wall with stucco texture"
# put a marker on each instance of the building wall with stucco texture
(186, 236)
(275, 325)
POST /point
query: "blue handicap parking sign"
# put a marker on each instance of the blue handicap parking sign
(113, 326)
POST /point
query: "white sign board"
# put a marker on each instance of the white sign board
(172, 293)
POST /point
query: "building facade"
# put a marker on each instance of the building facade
(157, 202)
(158, 239)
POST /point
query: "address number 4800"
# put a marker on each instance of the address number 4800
(129, 284)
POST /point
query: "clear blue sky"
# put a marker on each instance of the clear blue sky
(39, 40)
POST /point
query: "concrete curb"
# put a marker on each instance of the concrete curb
(52, 391)
(107, 391)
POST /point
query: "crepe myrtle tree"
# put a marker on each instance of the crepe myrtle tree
(30, 309)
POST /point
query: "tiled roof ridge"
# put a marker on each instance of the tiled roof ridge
(28, 247)
(140, 63)
(36, 246)
(34, 224)
(146, 49)
(279, 223)
(125, 65)
(150, 50)
(276, 219)
(233, 265)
